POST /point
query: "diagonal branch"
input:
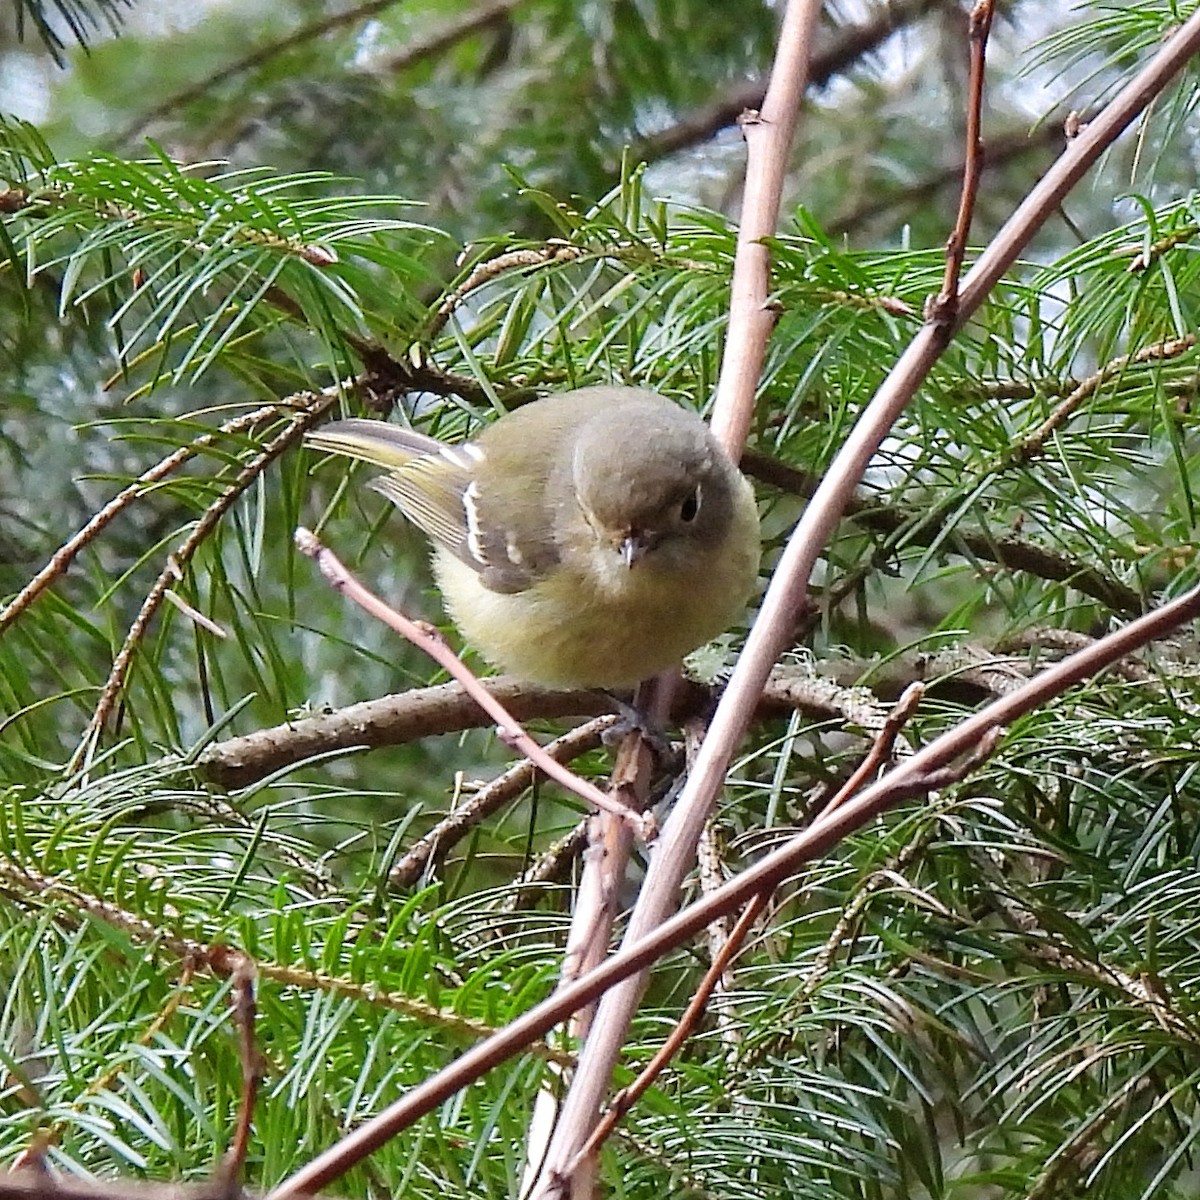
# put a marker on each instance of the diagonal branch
(927, 769)
(768, 139)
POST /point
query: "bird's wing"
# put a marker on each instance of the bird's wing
(431, 492)
(433, 484)
(444, 499)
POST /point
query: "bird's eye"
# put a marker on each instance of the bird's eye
(690, 507)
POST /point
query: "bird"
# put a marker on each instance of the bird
(589, 539)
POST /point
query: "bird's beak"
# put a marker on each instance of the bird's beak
(633, 546)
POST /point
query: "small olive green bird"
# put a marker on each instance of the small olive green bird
(589, 539)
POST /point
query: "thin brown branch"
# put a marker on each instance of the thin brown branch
(386, 376)
(979, 24)
(769, 136)
(494, 795)
(598, 901)
(628, 1096)
(482, 16)
(607, 859)
(710, 874)
(314, 406)
(12, 200)
(881, 747)
(405, 717)
(427, 639)
(926, 766)
(35, 1184)
(253, 1069)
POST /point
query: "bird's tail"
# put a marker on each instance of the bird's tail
(378, 442)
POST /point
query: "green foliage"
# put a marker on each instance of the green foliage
(991, 993)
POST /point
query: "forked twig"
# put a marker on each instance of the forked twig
(628, 1096)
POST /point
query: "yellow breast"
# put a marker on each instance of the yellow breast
(601, 623)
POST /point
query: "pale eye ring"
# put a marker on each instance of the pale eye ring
(689, 509)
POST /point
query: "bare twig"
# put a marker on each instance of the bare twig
(943, 308)
(597, 901)
(833, 695)
(628, 1096)
(33, 1184)
(710, 874)
(253, 1069)
(881, 747)
(925, 768)
(430, 641)
(768, 143)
